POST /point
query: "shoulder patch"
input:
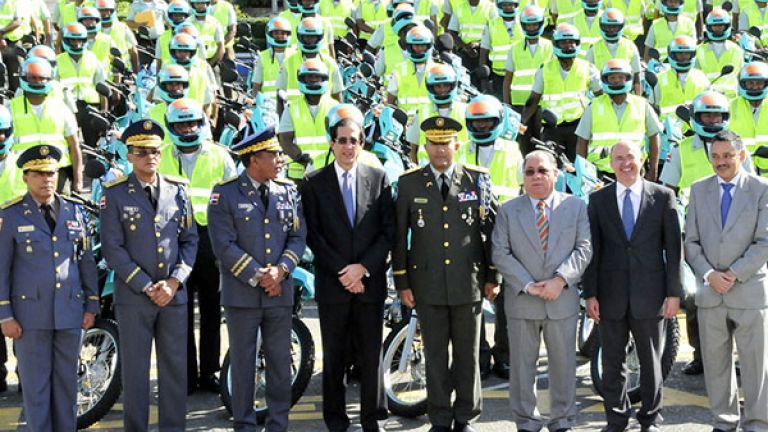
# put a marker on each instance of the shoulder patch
(476, 168)
(115, 182)
(227, 181)
(12, 202)
(411, 171)
(177, 180)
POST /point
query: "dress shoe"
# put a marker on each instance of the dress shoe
(694, 367)
(439, 429)
(501, 369)
(209, 383)
(463, 427)
(650, 428)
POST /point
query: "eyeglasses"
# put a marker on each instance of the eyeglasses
(530, 172)
(145, 152)
(345, 141)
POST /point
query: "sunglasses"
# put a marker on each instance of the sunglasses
(530, 172)
(145, 152)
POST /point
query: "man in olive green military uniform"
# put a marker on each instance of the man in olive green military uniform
(447, 204)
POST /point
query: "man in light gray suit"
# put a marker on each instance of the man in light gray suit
(541, 246)
(727, 247)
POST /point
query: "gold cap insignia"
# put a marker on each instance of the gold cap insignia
(439, 122)
(44, 151)
(147, 125)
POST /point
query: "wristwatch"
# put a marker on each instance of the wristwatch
(284, 268)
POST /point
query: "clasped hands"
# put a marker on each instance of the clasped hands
(271, 280)
(549, 289)
(722, 282)
(161, 293)
(351, 278)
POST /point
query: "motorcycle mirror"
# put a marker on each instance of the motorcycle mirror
(761, 151)
(444, 43)
(369, 58)
(482, 73)
(118, 65)
(232, 118)
(430, 25)
(654, 53)
(115, 52)
(755, 31)
(401, 116)
(548, 118)
(683, 113)
(243, 29)
(351, 39)
(228, 71)
(726, 70)
(94, 169)
(350, 22)
(99, 123)
(103, 90)
(727, 6)
(366, 70)
(651, 78)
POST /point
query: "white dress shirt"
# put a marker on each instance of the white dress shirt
(352, 179)
(635, 196)
(448, 173)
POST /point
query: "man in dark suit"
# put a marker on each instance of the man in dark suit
(633, 282)
(350, 217)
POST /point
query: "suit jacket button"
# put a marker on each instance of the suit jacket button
(157, 234)
(266, 220)
(447, 262)
(56, 254)
(58, 284)
(445, 226)
(54, 238)
(268, 251)
(157, 219)
(160, 265)
(23, 297)
(160, 249)
(445, 208)
(267, 236)
(445, 244)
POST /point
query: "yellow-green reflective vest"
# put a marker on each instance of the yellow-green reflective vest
(30, 130)
(472, 24)
(393, 57)
(309, 133)
(505, 164)
(707, 62)
(79, 79)
(607, 130)
(208, 170)
(565, 98)
(601, 54)
(118, 33)
(292, 63)
(207, 28)
(758, 19)
(270, 69)
(157, 113)
(590, 34)
(501, 43)
(411, 92)
(526, 66)
(633, 16)
(373, 16)
(424, 10)
(100, 48)
(198, 82)
(68, 11)
(567, 9)
(685, 27)
(694, 163)
(689, 10)
(673, 95)
(11, 181)
(458, 113)
(221, 11)
(337, 13)
(294, 20)
(753, 134)
(7, 12)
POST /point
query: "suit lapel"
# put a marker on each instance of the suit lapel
(714, 191)
(612, 210)
(527, 220)
(363, 185)
(334, 191)
(646, 202)
(555, 221)
(35, 215)
(740, 200)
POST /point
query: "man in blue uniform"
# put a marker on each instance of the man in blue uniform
(150, 239)
(48, 290)
(258, 234)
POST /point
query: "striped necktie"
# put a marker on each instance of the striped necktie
(542, 224)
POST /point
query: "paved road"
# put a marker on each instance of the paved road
(685, 402)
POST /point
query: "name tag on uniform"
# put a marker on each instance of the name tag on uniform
(467, 196)
(420, 200)
(130, 209)
(245, 206)
(73, 225)
(283, 205)
(26, 228)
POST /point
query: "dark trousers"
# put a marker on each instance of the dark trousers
(3, 359)
(66, 177)
(12, 64)
(460, 326)
(649, 337)
(204, 281)
(564, 134)
(363, 323)
(692, 325)
(500, 350)
(497, 86)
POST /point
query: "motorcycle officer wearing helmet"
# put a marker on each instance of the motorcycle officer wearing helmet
(717, 51)
(387, 33)
(98, 43)
(614, 45)
(336, 11)
(587, 21)
(41, 119)
(689, 161)
(466, 25)
(211, 32)
(407, 86)
(122, 37)
(172, 84)
(292, 13)
(561, 85)
(618, 116)
(46, 53)
(176, 15)
(394, 54)
(302, 125)
(12, 26)
(202, 83)
(310, 38)
(634, 12)
(368, 16)
(442, 89)
(682, 82)
(498, 39)
(204, 164)
(267, 65)
(749, 115)
(753, 15)
(225, 14)
(311, 9)
(665, 29)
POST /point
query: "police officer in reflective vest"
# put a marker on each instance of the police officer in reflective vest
(211, 32)
(267, 65)
(407, 86)
(122, 37)
(204, 163)
(98, 43)
(49, 291)
(750, 116)
(614, 44)
(497, 39)
(149, 238)
(671, 25)
(258, 234)
(466, 25)
(172, 84)
(177, 14)
(681, 83)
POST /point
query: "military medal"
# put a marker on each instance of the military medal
(133, 227)
(420, 222)
(29, 248)
(469, 218)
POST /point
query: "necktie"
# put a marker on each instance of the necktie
(725, 202)
(263, 193)
(542, 224)
(444, 186)
(349, 201)
(48, 216)
(148, 190)
(628, 215)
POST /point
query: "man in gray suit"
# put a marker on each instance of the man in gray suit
(633, 282)
(48, 290)
(727, 247)
(149, 238)
(258, 235)
(541, 247)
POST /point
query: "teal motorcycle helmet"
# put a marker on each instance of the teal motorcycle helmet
(172, 73)
(612, 67)
(532, 14)
(441, 74)
(74, 32)
(90, 17)
(753, 71)
(185, 110)
(6, 129)
(710, 101)
(275, 24)
(43, 73)
(419, 35)
(484, 107)
(566, 32)
(310, 26)
(313, 67)
(609, 20)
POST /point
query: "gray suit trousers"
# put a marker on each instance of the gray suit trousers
(718, 326)
(524, 342)
(48, 373)
(139, 325)
(243, 326)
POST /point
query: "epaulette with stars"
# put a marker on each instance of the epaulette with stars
(411, 171)
(10, 203)
(115, 182)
